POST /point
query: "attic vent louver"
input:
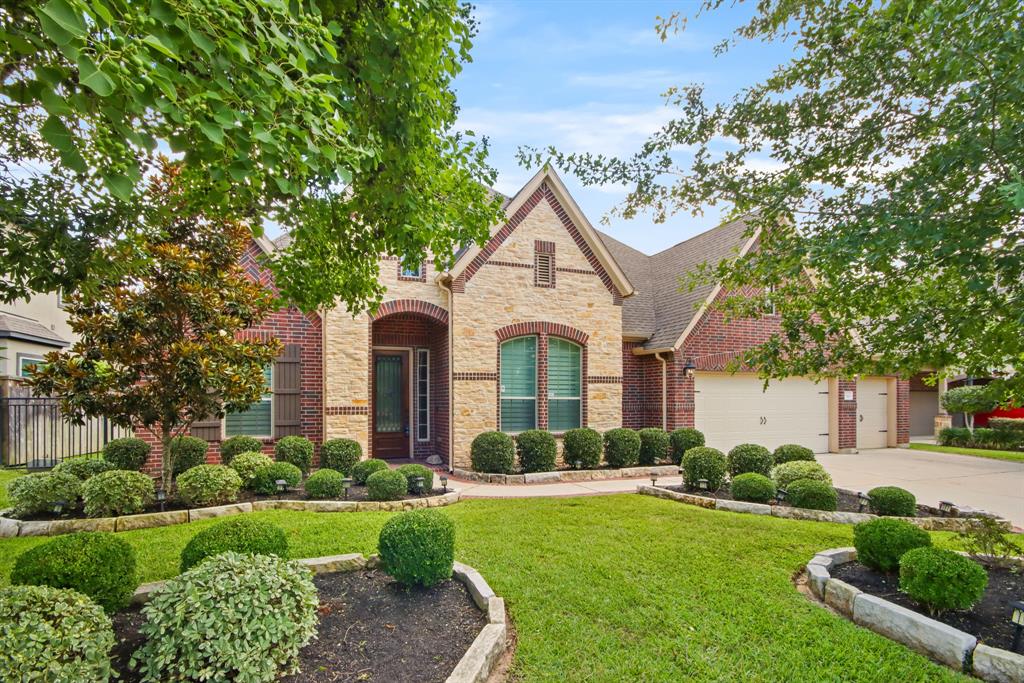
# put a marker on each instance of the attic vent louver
(544, 269)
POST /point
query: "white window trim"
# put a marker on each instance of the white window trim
(410, 273)
(535, 398)
(423, 358)
(22, 357)
(579, 398)
(269, 396)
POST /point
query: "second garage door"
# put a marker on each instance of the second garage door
(735, 409)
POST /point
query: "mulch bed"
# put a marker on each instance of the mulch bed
(847, 502)
(989, 620)
(371, 629)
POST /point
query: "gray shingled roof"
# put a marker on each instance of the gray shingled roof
(662, 306)
(15, 327)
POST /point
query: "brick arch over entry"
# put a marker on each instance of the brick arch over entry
(542, 328)
(432, 311)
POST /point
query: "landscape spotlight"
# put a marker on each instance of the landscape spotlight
(346, 484)
(418, 483)
(282, 486)
(579, 464)
(654, 478)
(444, 483)
(946, 507)
(58, 507)
(863, 500)
(702, 484)
(161, 497)
(780, 495)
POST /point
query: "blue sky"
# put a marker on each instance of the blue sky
(587, 76)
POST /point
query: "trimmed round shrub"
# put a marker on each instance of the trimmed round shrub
(240, 535)
(413, 470)
(892, 501)
(537, 451)
(94, 563)
(791, 452)
(249, 464)
(682, 440)
(654, 446)
(362, 470)
(117, 492)
(233, 617)
(324, 484)
(83, 468)
(53, 634)
(188, 452)
(417, 548)
(703, 462)
(493, 452)
(265, 481)
(812, 494)
(386, 485)
(236, 445)
(128, 453)
(785, 474)
(749, 457)
(583, 446)
(753, 488)
(209, 485)
(881, 543)
(298, 450)
(941, 579)
(35, 493)
(621, 447)
(340, 455)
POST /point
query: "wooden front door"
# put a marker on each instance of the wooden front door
(391, 404)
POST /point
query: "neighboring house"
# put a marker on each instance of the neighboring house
(29, 329)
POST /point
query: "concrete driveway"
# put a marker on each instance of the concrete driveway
(993, 485)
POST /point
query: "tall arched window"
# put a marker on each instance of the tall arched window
(564, 385)
(519, 384)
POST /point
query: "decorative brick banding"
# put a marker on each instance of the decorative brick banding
(432, 311)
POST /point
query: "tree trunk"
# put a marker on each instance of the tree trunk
(166, 460)
(969, 419)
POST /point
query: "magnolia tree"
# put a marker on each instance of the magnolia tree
(970, 400)
(158, 344)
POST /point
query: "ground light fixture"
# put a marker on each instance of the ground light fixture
(1017, 619)
(654, 478)
(579, 464)
(282, 486)
(161, 497)
(444, 483)
(58, 507)
(946, 507)
(418, 483)
(780, 495)
(702, 484)
(862, 500)
(346, 484)
(689, 368)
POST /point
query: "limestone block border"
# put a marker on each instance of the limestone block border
(566, 476)
(934, 639)
(483, 654)
(787, 512)
(10, 527)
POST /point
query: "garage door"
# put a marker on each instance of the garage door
(872, 412)
(735, 409)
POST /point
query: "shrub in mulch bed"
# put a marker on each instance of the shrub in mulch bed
(845, 502)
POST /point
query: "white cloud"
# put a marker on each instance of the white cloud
(643, 79)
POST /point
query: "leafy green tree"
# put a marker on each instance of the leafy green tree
(330, 116)
(158, 343)
(895, 138)
(970, 399)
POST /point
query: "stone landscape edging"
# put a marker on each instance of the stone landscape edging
(938, 641)
(788, 512)
(10, 527)
(478, 662)
(566, 476)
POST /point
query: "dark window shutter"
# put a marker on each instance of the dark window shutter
(208, 429)
(288, 392)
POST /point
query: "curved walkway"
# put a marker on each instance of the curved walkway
(474, 489)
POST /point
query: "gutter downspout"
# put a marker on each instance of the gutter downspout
(664, 390)
(451, 372)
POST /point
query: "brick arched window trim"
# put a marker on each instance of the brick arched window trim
(543, 330)
(432, 311)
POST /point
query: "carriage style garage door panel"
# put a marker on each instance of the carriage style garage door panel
(872, 412)
(735, 409)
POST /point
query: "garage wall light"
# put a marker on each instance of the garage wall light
(689, 368)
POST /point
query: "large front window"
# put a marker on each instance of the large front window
(519, 384)
(257, 419)
(564, 384)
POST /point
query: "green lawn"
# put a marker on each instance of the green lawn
(6, 477)
(623, 588)
(1013, 456)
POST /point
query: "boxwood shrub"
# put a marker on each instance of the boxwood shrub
(537, 451)
(892, 501)
(238, 444)
(265, 480)
(188, 452)
(233, 617)
(703, 462)
(53, 634)
(682, 440)
(621, 447)
(238, 534)
(582, 445)
(386, 485)
(362, 470)
(340, 455)
(417, 548)
(881, 543)
(248, 464)
(34, 494)
(83, 468)
(128, 453)
(941, 579)
(413, 470)
(298, 450)
(117, 492)
(812, 494)
(753, 488)
(785, 474)
(94, 563)
(208, 485)
(749, 457)
(325, 484)
(790, 452)
(493, 452)
(654, 446)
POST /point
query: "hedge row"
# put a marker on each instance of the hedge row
(1008, 436)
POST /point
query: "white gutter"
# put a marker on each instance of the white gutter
(664, 390)
(451, 372)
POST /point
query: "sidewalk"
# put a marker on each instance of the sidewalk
(473, 489)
